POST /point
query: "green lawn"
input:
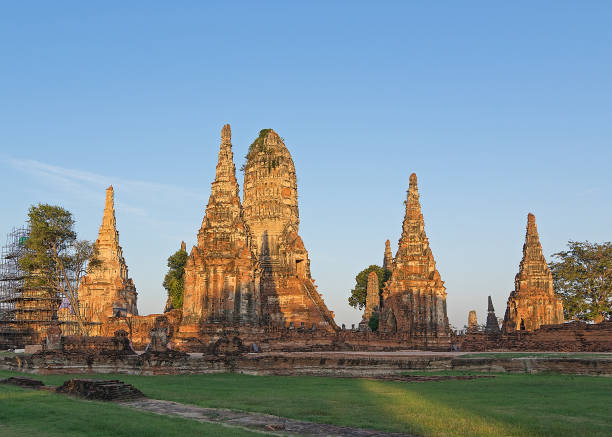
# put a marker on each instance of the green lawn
(38, 413)
(537, 355)
(509, 404)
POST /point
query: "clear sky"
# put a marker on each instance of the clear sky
(501, 108)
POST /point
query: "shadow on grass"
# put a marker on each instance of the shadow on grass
(521, 405)
(25, 412)
(513, 405)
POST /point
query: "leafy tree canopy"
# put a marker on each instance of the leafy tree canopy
(359, 293)
(583, 277)
(55, 260)
(374, 321)
(174, 281)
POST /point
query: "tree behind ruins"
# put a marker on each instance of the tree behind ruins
(55, 261)
(583, 277)
(174, 281)
(358, 295)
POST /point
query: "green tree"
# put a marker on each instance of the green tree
(174, 281)
(55, 261)
(374, 321)
(583, 277)
(358, 294)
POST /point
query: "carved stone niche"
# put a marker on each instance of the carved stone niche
(121, 342)
(53, 340)
(160, 335)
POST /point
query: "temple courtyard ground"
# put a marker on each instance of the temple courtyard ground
(507, 404)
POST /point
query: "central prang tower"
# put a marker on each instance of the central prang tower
(270, 206)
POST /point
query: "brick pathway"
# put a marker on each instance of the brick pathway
(262, 423)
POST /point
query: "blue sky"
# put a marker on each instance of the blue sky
(501, 108)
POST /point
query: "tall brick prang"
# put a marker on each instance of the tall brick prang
(414, 298)
(492, 326)
(533, 302)
(271, 212)
(372, 297)
(221, 283)
(388, 258)
(107, 290)
(472, 321)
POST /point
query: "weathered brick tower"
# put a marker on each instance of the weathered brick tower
(388, 258)
(221, 282)
(533, 302)
(106, 290)
(271, 213)
(492, 326)
(372, 300)
(414, 298)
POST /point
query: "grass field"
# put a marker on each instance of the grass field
(37, 413)
(510, 405)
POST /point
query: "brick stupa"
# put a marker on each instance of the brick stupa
(372, 300)
(492, 326)
(414, 298)
(221, 285)
(388, 258)
(472, 321)
(533, 302)
(107, 290)
(271, 212)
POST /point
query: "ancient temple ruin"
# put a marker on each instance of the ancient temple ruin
(492, 326)
(533, 302)
(288, 293)
(472, 321)
(372, 300)
(388, 258)
(107, 290)
(221, 274)
(25, 312)
(414, 298)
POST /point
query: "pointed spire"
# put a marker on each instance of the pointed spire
(183, 246)
(372, 296)
(223, 211)
(414, 241)
(413, 205)
(531, 237)
(492, 326)
(104, 288)
(110, 198)
(388, 258)
(532, 303)
(414, 298)
(108, 233)
(226, 134)
(107, 244)
(108, 219)
(533, 262)
(225, 183)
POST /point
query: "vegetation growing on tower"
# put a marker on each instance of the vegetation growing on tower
(359, 293)
(258, 146)
(174, 282)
